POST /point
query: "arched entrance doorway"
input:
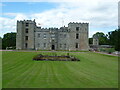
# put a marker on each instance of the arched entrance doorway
(53, 47)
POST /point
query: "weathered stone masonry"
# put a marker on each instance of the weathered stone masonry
(73, 37)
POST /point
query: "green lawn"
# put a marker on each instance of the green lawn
(94, 70)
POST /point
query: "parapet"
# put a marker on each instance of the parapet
(26, 20)
(77, 23)
(47, 28)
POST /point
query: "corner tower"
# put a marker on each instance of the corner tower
(25, 34)
(78, 36)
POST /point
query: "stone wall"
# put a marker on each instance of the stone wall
(82, 39)
(63, 38)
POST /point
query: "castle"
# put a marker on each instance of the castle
(73, 37)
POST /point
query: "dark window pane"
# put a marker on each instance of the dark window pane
(27, 24)
(76, 45)
(77, 36)
(26, 45)
(26, 30)
(77, 28)
(26, 38)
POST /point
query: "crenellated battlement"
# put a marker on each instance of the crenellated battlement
(72, 37)
(47, 28)
(77, 23)
(26, 20)
(53, 28)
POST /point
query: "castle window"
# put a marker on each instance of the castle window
(38, 35)
(44, 36)
(60, 35)
(64, 45)
(64, 35)
(26, 30)
(76, 45)
(77, 36)
(26, 37)
(26, 45)
(44, 44)
(60, 45)
(77, 28)
(27, 24)
(53, 35)
(38, 44)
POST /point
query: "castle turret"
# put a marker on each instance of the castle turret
(25, 34)
(78, 36)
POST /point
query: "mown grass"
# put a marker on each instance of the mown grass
(93, 71)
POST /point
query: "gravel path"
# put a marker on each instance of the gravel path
(107, 54)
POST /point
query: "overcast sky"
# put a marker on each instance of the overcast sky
(102, 15)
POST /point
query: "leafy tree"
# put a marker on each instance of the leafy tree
(103, 40)
(114, 39)
(9, 40)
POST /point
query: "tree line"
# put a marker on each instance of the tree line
(112, 38)
(8, 40)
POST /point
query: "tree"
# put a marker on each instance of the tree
(114, 39)
(103, 40)
(9, 40)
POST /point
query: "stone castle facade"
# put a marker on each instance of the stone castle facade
(73, 37)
